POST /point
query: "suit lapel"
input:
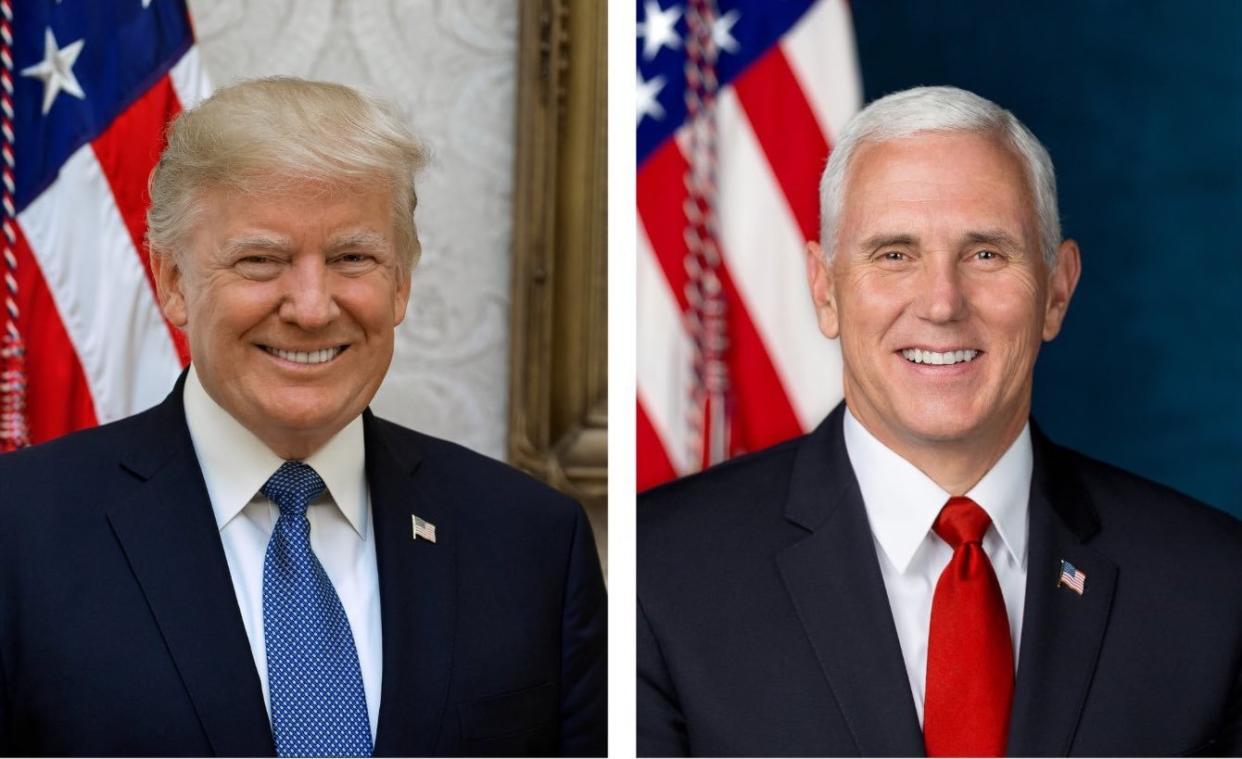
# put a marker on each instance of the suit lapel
(168, 534)
(833, 577)
(418, 595)
(1062, 632)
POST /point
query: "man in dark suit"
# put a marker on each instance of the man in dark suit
(926, 572)
(259, 565)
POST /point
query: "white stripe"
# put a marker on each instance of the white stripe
(820, 50)
(663, 358)
(189, 80)
(101, 290)
(766, 257)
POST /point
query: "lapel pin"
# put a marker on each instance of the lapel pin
(427, 531)
(1072, 578)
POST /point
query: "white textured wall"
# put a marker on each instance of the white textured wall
(450, 66)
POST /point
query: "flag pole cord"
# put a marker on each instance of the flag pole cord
(707, 315)
(14, 430)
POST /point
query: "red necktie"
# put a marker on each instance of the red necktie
(969, 652)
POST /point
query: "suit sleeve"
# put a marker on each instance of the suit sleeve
(661, 725)
(584, 650)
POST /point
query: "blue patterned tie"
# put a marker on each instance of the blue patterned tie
(318, 705)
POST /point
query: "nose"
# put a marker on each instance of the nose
(942, 298)
(308, 299)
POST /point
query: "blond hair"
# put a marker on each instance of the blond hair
(279, 134)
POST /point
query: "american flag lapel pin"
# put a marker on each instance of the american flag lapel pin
(423, 529)
(1072, 578)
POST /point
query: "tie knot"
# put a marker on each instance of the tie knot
(293, 487)
(961, 521)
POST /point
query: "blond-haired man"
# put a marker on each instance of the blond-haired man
(259, 564)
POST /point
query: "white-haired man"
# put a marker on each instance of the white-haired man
(258, 565)
(926, 572)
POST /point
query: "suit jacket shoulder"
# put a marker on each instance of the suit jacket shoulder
(493, 489)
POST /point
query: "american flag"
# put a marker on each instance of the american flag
(738, 103)
(88, 90)
(424, 529)
(1072, 578)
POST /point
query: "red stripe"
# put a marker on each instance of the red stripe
(661, 200)
(58, 400)
(787, 130)
(762, 413)
(654, 466)
(128, 151)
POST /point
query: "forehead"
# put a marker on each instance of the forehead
(937, 180)
(297, 210)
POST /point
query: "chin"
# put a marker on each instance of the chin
(941, 425)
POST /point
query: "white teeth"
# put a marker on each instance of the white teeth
(306, 357)
(919, 356)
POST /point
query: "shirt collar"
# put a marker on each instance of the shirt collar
(902, 502)
(236, 463)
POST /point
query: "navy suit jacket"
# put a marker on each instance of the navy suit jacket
(120, 632)
(765, 628)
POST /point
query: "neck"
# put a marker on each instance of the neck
(955, 464)
(295, 447)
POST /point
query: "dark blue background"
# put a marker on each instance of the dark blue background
(1140, 106)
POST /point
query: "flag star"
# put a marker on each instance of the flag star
(648, 97)
(722, 31)
(658, 30)
(56, 70)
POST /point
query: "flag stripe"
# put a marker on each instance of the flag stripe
(100, 287)
(60, 401)
(763, 414)
(189, 80)
(663, 385)
(765, 252)
(653, 465)
(128, 151)
(787, 130)
(820, 52)
(661, 195)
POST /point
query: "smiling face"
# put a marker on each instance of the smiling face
(290, 304)
(939, 292)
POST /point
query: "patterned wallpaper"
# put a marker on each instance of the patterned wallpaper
(450, 66)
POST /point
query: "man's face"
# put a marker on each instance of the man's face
(939, 291)
(290, 304)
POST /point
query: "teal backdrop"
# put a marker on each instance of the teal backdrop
(1140, 105)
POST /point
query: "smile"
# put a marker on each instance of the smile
(321, 356)
(919, 356)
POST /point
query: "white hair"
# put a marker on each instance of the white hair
(940, 109)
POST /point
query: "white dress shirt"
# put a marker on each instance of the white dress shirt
(902, 504)
(235, 465)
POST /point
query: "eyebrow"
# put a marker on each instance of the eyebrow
(256, 242)
(997, 237)
(363, 238)
(885, 240)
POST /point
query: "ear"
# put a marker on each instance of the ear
(169, 285)
(1061, 284)
(401, 298)
(823, 295)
